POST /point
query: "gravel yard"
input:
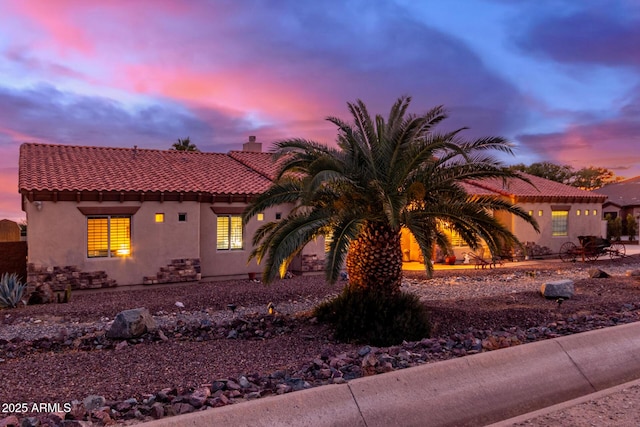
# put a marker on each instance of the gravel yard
(57, 353)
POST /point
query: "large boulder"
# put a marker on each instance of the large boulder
(558, 289)
(132, 323)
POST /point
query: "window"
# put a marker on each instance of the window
(278, 216)
(559, 223)
(108, 236)
(182, 217)
(586, 212)
(456, 240)
(260, 217)
(159, 217)
(540, 212)
(595, 212)
(328, 240)
(229, 232)
(578, 212)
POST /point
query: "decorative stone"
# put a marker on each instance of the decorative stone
(131, 324)
(10, 421)
(92, 402)
(633, 273)
(182, 408)
(558, 289)
(596, 273)
(43, 294)
(199, 397)
(156, 411)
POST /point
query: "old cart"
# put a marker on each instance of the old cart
(591, 247)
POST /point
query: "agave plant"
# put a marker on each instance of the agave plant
(11, 290)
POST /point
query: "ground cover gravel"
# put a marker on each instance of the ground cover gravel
(59, 354)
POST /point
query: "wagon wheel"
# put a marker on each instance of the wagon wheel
(591, 251)
(617, 249)
(568, 252)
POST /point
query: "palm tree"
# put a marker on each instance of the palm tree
(383, 176)
(184, 145)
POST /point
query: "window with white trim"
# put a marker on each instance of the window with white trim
(229, 234)
(108, 236)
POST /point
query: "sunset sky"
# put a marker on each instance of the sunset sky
(560, 79)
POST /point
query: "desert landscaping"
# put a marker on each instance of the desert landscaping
(203, 354)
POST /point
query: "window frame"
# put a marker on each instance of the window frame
(110, 252)
(559, 224)
(233, 224)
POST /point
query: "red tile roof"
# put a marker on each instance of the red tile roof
(263, 163)
(45, 167)
(541, 188)
(78, 168)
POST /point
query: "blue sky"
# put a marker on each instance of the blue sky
(559, 78)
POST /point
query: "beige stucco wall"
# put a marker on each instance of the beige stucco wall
(58, 237)
(216, 263)
(579, 225)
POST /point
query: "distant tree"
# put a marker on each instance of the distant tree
(184, 145)
(547, 170)
(588, 178)
(592, 178)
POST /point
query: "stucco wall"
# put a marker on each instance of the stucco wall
(216, 262)
(578, 225)
(58, 237)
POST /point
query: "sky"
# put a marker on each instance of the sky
(559, 78)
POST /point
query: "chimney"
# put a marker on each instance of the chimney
(252, 145)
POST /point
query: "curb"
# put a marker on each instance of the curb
(622, 388)
(470, 391)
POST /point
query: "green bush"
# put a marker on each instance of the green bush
(614, 227)
(372, 318)
(632, 227)
(11, 290)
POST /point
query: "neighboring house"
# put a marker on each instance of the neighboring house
(101, 216)
(563, 213)
(623, 198)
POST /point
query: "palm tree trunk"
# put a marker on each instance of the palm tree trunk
(374, 261)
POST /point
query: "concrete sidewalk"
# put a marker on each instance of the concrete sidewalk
(470, 391)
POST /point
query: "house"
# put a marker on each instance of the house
(104, 216)
(563, 213)
(623, 198)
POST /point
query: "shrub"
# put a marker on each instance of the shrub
(632, 227)
(377, 319)
(11, 290)
(614, 227)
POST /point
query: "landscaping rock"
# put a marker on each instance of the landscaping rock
(10, 421)
(43, 294)
(93, 402)
(596, 273)
(131, 324)
(558, 289)
(199, 397)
